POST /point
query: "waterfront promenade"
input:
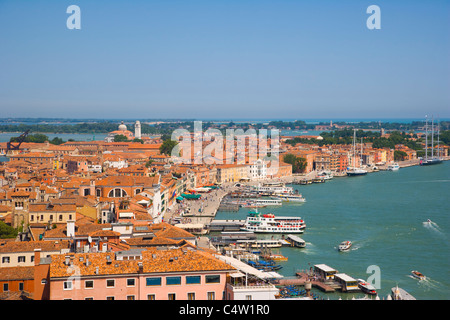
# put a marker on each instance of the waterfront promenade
(204, 210)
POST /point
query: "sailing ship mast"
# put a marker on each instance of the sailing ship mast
(426, 138)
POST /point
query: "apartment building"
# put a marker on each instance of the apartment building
(139, 274)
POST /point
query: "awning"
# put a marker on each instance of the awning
(237, 275)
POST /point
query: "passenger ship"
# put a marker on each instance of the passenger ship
(274, 189)
(291, 197)
(268, 223)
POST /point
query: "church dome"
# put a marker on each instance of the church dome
(122, 127)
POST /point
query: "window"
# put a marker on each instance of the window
(117, 193)
(130, 298)
(153, 281)
(211, 296)
(21, 259)
(173, 281)
(5, 287)
(67, 285)
(193, 280)
(191, 296)
(110, 283)
(212, 279)
(151, 297)
(109, 298)
(130, 282)
(171, 296)
(88, 298)
(89, 284)
(21, 286)
(5, 260)
(248, 297)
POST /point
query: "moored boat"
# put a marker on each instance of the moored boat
(291, 197)
(296, 241)
(393, 166)
(366, 287)
(276, 257)
(345, 246)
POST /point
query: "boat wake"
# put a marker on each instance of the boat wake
(309, 249)
(428, 284)
(434, 227)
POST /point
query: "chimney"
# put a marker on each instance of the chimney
(70, 228)
(37, 256)
(67, 260)
(141, 267)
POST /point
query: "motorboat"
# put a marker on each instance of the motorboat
(393, 166)
(366, 287)
(325, 175)
(416, 274)
(345, 245)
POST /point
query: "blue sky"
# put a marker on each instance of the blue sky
(225, 59)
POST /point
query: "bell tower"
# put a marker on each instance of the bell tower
(137, 130)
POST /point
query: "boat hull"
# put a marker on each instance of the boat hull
(430, 162)
(351, 174)
(273, 231)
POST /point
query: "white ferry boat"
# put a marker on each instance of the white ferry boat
(268, 223)
(291, 197)
(393, 167)
(260, 202)
(275, 189)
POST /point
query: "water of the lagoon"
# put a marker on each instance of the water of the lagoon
(384, 214)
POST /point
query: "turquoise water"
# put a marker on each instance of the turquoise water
(384, 214)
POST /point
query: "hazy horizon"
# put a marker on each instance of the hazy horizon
(253, 59)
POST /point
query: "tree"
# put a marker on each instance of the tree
(167, 147)
(400, 155)
(120, 138)
(298, 163)
(57, 141)
(148, 163)
(7, 231)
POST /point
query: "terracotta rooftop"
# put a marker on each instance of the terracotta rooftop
(29, 246)
(16, 273)
(153, 260)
